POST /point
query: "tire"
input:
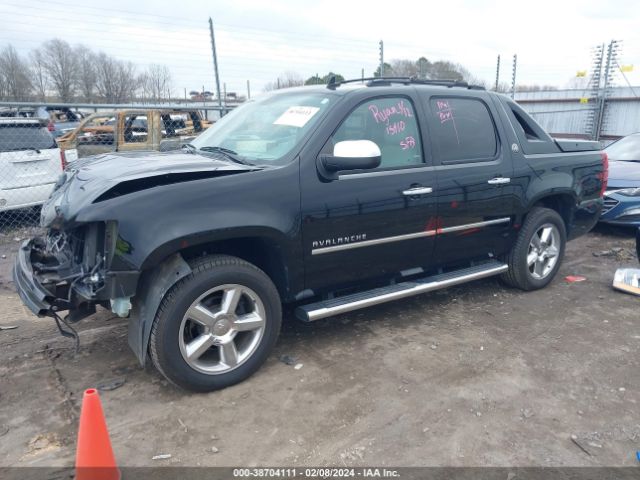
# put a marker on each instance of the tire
(224, 305)
(522, 274)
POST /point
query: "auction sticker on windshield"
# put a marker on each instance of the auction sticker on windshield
(296, 116)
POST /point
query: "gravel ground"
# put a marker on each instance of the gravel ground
(475, 375)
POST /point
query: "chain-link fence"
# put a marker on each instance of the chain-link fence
(38, 142)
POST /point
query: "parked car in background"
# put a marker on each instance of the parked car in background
(59, 120)
(30, 162)
(133, 130)
(622, 198)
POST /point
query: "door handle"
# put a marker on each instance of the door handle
(417, 191)
(499, 181)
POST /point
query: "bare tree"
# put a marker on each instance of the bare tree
(39, 74)
(127, 81)
(106, 71)
(86, 75)
(403, 68)
(62, 67)
(285, 80)
(156, 82)
(14, 75)
(116, 80)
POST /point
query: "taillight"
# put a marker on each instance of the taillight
(51, 127)
(63, 160)
(604, 176)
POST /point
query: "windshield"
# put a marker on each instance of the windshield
(266, 130)
(626, 149)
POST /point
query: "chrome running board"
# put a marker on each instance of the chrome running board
(355, 301)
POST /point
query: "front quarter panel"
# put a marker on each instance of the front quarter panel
(157, 222)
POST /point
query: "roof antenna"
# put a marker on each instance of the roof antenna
(332, 84)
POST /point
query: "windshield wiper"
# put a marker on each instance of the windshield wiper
(188, 148)
(227, 153)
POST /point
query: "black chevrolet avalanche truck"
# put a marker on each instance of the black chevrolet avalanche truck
(326, 199)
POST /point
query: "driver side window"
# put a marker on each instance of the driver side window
(390, 123)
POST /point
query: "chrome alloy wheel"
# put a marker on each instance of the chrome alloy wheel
(544, 249)
(222, 329)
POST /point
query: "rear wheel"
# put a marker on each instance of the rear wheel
(216, 326)
(537, 254)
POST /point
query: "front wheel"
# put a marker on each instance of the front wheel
(537, 254)
(216, 326)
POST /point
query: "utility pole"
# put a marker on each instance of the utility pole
(609, 70)
(513, 76)
(497, 73)
(215, 64)
(381, 58)
(594, 86)
(248, 90)
(362, 75)
(224, 86)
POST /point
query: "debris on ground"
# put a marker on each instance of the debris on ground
(214, 449)
(526, 413)
(8, 327)
(288, 359)
(162, 456)
(298, 366)
(627, 280)
(108, 385)
(182, 424)
(574, 439)
(44, 442)
(353, 454)
(575, 278)
(612, 252)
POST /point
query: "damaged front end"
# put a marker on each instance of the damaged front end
(70, 270)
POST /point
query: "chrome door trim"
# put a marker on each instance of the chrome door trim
(408, 236)
(368, 243)
(469, 226)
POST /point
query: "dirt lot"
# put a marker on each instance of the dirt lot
(474, 375)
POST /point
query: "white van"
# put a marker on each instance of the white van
(30, 163)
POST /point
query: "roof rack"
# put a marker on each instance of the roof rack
(383, 81)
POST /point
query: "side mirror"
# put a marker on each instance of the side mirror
(351, 155)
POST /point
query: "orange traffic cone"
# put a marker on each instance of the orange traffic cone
(94, 456)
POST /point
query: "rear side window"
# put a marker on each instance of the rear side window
(463, 130)
(390, 123)
(25, 137)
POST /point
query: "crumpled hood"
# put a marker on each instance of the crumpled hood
(91, 177)
(624, 174)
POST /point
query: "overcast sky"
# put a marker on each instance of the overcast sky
(257, 40)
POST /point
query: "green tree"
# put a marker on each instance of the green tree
(318, 80)
(388, 71)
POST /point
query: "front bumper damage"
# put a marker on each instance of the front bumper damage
(69, 272)
(52, 275)
(37, 298)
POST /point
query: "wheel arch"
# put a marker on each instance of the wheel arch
(264, 248)
(563, 203)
